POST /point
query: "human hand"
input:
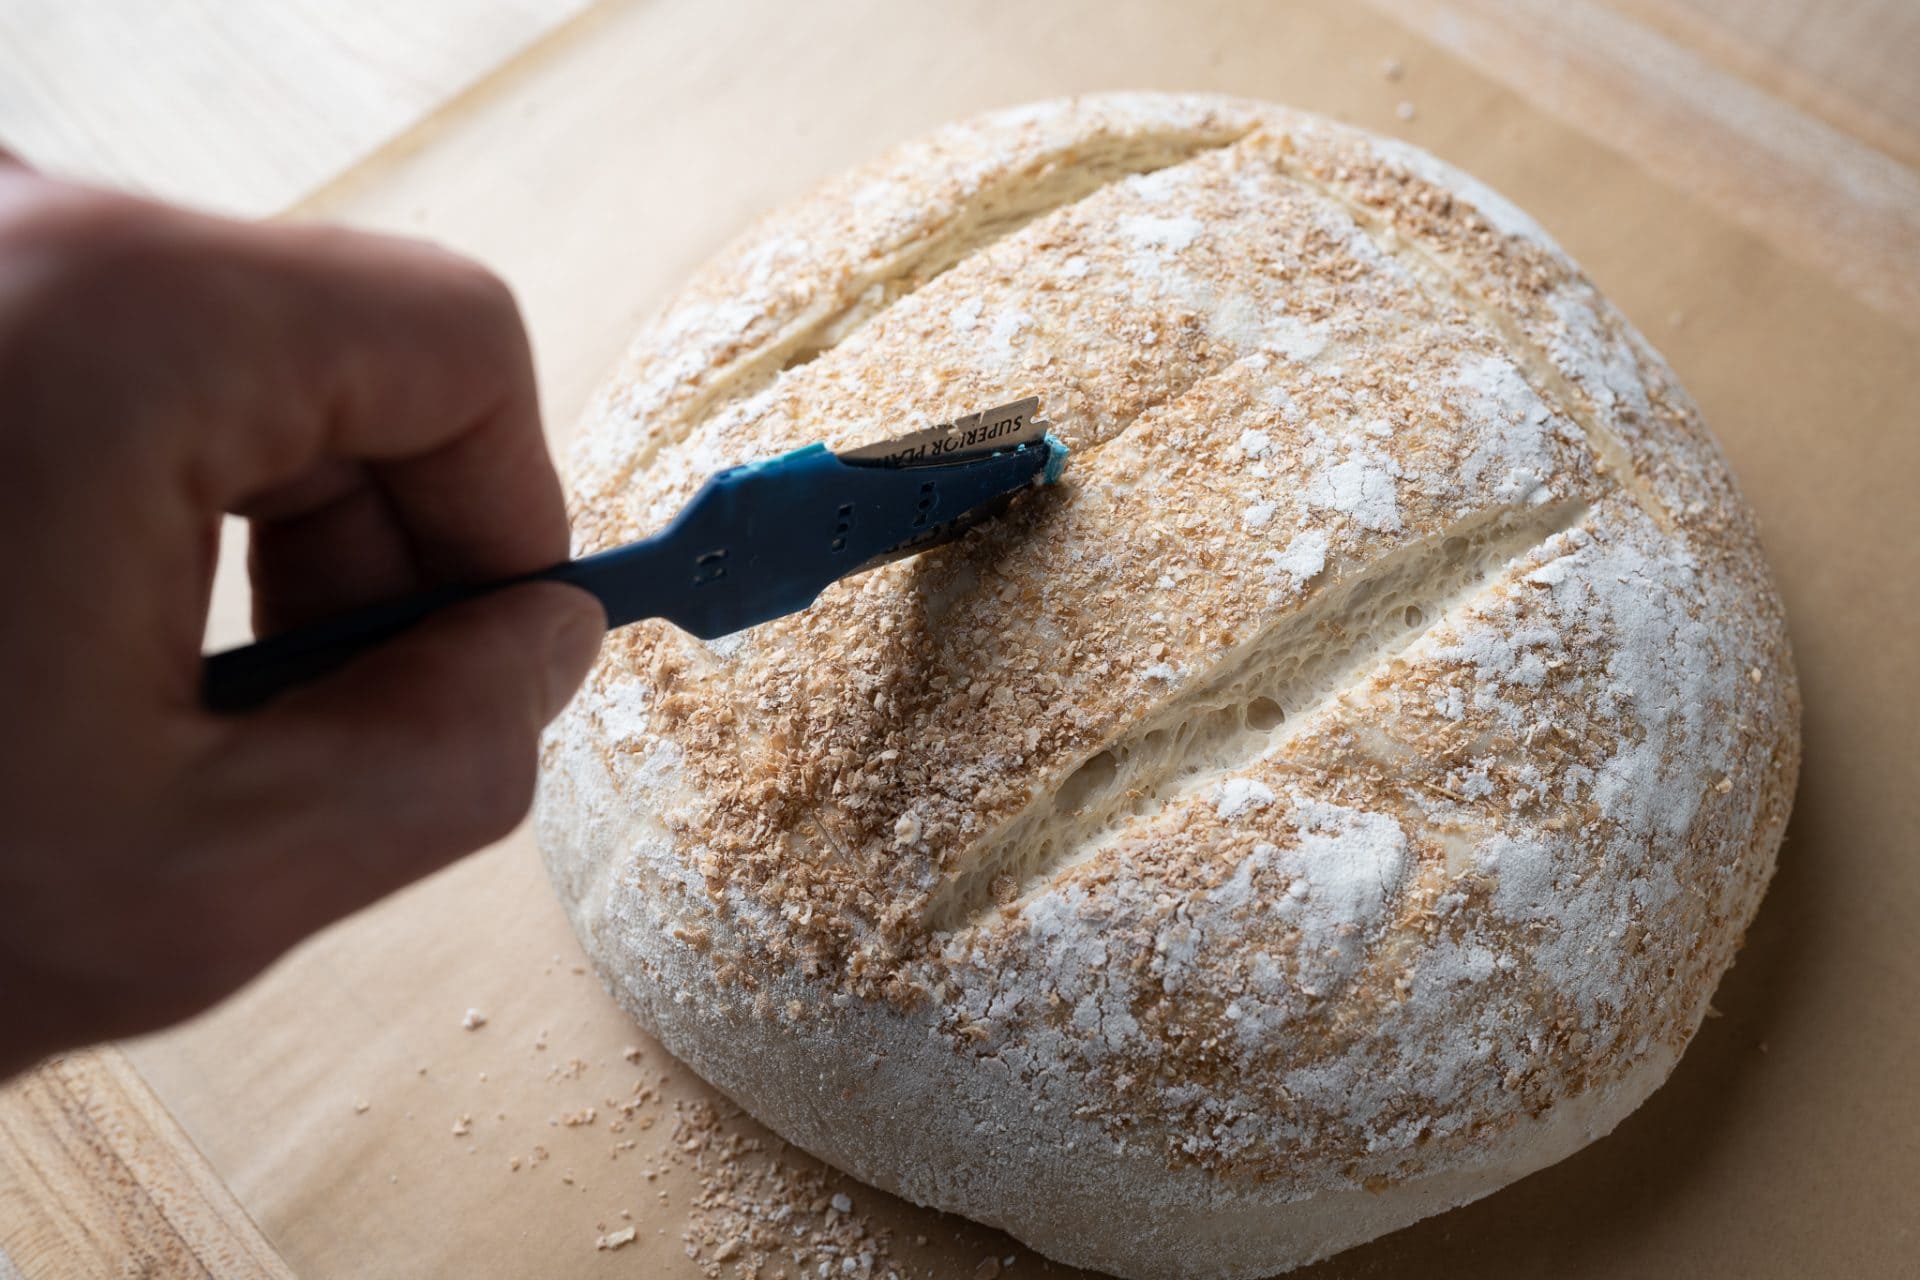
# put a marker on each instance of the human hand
(368, 405)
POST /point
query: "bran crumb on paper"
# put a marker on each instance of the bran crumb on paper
(1391, 68)
(463, 1126)
(474, 1020)
(1404, 111)
(753, 1213)
(615, 1239)
(571, 1069)
(361, 1107)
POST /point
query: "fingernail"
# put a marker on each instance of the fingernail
(571, 649)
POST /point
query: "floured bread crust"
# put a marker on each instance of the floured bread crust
(1338, 798)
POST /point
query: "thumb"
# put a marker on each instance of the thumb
(417, 752)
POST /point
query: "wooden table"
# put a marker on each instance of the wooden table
(1793, 119)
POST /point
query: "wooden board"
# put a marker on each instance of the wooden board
(240, 107)
(1849, 62)
(97, 1179)
(1814, 192)
(586, 169)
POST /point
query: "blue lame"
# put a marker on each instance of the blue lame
(758, 541)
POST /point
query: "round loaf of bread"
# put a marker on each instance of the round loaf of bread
(1335, 799)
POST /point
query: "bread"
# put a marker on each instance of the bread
(1335, 800)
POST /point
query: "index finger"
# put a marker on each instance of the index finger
(254, 356)
(415, 362)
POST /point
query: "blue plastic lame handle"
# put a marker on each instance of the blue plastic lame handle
(757, 542)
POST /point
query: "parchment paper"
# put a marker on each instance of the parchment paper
(594, 176)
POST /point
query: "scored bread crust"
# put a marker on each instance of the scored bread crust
(1336, 799)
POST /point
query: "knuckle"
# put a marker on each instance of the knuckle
(65, 248)
(489, 289)
(499, 310)
(39, 215)
(486, 300)
(471, 286)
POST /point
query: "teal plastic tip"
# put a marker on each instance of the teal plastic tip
(1057, 452)
(780, 460)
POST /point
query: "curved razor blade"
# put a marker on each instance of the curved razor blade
(971, 435)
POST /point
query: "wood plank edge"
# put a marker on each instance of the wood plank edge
(1814, 193)
(372, 166)
(100, 1175)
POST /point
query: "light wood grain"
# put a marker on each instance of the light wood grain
(1853, 63)
(1811, 190)
(250, 106)
(96, 1179)
(235, 106)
